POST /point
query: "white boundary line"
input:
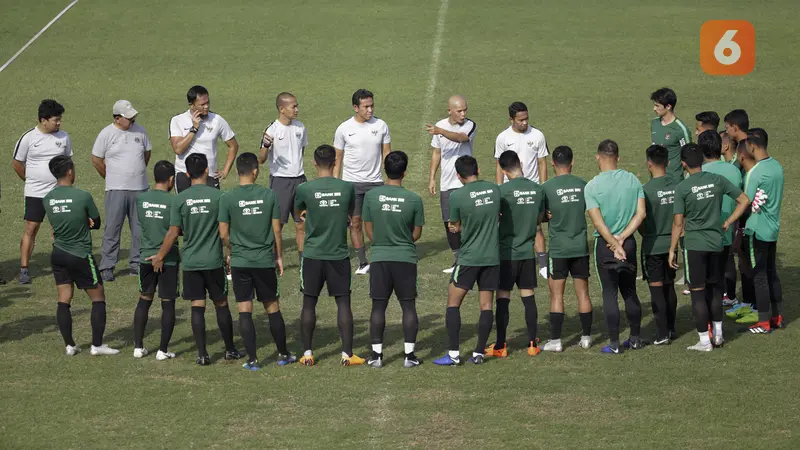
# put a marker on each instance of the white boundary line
(36, 36)
(434, 68)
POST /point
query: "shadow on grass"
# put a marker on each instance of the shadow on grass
(32, 325)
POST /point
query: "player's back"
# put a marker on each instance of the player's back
(196, 211)
(699, 199)
(328, 203)
(68, 210)
(618, 191)
(767, 176)
(249, 211)
(477, 206)
(564, 198)
(153, 209)
(394, 212)
(520, 206)
(656, 229)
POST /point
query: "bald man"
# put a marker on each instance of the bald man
(282, 145)
(452, 137)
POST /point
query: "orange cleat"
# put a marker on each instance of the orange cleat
(776, 322)
(497, 352)
(307, 360)
(533, 349)
(354, 360)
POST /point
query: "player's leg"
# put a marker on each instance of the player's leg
(453, 239)
(579, 269)
(114, 219)
(715, 290)
(64, 288)
(148, 280)
(381, 285)
(84, 273)
(356, 233)
(775, 288)
(730, 279)
(695, 263)
(312, 278)
(136, 231)
(167, 291)
(654, 268)
(299, 223)
(338, 279)
(527, 282)
(268, 293)
(194, 290)
(759, 254)
(508, 277)
(558, 271)
(28, 241)
(541, 252)
(488, 280)
(627, 288)
(217, 287)
(244, 293)
(609, 285)
(405, 289)
(461, 281)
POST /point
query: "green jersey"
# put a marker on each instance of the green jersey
(699, 199)
(520, 207)
(766, 176)
(656, 229)
(564, 198)
(477, 206)
(616, 193)
(68, 210)
(196, 212)
(249, 211)
(732, 174)
(153, 209)
(329, 202)
(673, 136)
(394, 212)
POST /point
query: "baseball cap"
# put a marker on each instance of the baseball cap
(125, 109)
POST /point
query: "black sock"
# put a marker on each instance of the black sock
(277, 327)
(140, 322)
(410, 320)
(541, 258)
(64, 319)
(199, 329)
(531, 317)
(362, 255)
(248, 331)
(344, 320)
(167, 323)
(308, 320)
(700, 310)
(715, 302)
(672, 305)
(484, 329)
(659, 305)
(502, 321)
(225, 324)
(556, 322)
(377, 320)
(98, 320)
(586, 323)
(452, 321)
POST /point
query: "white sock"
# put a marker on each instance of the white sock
(704, 338)
(453, 354)
(345, 355)
(717, 328)
(474, 354)
(408, 347)
(307, 353)
(377, 348)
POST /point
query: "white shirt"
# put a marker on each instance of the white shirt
(451, 151)
(529, 146)
(362, 144)
(204, 141)
(286, 154)
(35, 149)
(124, 154)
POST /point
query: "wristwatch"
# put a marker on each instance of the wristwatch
(193, 130)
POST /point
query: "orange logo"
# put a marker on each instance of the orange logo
(727, 47)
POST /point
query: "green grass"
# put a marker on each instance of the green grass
(585, 69)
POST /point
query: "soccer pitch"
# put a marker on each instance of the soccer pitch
(585, 70)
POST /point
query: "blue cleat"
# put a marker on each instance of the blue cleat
(634, 344)
(251, 366)
(476, 359)
(285, 360)
(612, 350)
(446, 360)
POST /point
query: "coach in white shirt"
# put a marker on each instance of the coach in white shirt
(196, 131)
(361, 143)
(282, 145)
(120, 155)
(32, 155)
(452, 138)
(531, 147)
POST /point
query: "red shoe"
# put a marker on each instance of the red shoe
(710, 331)
(776, 322)
(760, 328)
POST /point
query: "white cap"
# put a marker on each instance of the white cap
(125, 109)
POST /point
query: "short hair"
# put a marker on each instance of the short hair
(692, 155)
(50, 108)
(196, 165)
(246, 163)
(739, 118)
(395, 164)
(665, 96)
(509, 160)
(516, 107)
(658, 155)
(710, 118)
(281, 97)
(562, 156)
(325, 156)
(361, 94)
(60, 166)
(163, 170)
(608, 148)
(741, 149)
(711, 143)
(724, 136)
(466, 166)
(758, 137)
(194, 92)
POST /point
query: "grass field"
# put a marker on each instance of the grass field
(585, 69)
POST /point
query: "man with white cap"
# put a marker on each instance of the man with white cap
(120, 155)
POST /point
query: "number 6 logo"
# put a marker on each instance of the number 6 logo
(727, 47)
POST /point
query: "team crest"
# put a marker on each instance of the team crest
(209, 129)
(59, 144)
(136, 139)
(666, 136)
(298, 134)
(530, 143)
(374, 132)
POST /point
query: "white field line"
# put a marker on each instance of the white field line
(434, 67)
(36, 36)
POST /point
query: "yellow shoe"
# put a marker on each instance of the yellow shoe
(533, 349)
(497, 353)
(307, 360)
(354, 360)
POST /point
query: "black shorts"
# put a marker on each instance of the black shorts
(561, 268)
(604, 258)
(249, 283)
(521, 272)
(166, 281)
(285, 189)
(487, 277)
(361, 190)
(386, 277)
(759, 255)
(702, 268)
(34, 209)
(314, 273)
(197, 282)
(656, 269)
(444, 203)
(69, 269)
(183, 182)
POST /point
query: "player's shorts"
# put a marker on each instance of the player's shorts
(361, 190)
(197, 282)
(183, 182)
(285, 189)
(386, 277)
(758, 255)
(69, 269)
(465, 277)
(444, 202)
(34, 209)
(561, 268)
(702, 268)
(166, 281)
(250, 283)
(656, 269)
(314, 273)
(521, 272)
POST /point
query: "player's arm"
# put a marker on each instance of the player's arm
(19, 168)
(677, 231)
(368, 230)
(742, 202)
(233, 149)
(225, 234)
(147, 157)
(600, 225)
(169, 241)
(386, 149)
(416, 234)
(181, 143)
(436, 159)
(337, 166)
(542, 169)
(266, 146)
(636, 221)
(452, 135)
(93, 214)
(100, 165)
(498, 172)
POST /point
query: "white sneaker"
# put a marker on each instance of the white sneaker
(72, 350)
(140, 352)
(102, 350)
(363, 269)
(553, 346)
(450, 269)
(586, 342)
(543, 272)
(161, 356)
(700, 347)
(718, 341)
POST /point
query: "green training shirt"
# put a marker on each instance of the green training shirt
(196, 212)
(564, 198)
(699, 199)
(329, 202)
(766, 175)
(520, 206)
(477, 206)
(672, 136)
(249, 211)
(153, 209)
(732, 174)
(68, 210)
(616, 193)
(394, 211)
(656, 229)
